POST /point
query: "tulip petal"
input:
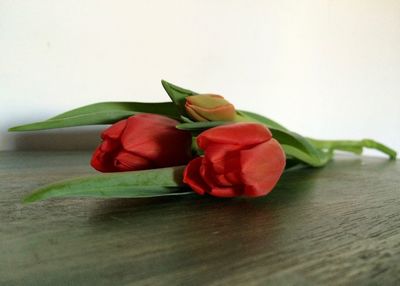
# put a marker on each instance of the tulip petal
(226, 192)
(218, 174)
(223, 180)
(126, 161)
(261, 167)
(169, 148)
(192, 177)
(210, 177)
(102, 161)
(220, 113)
(194, 114)
(206, 100)
(243, 134)
(225, 165)
(232, 168)
(115, 130)
(110, 145)
(155, 137)
(216, 153)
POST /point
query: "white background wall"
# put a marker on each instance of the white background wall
(327, 69)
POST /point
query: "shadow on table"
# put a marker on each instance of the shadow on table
(293, 187)
(196, 230)
(294, 190)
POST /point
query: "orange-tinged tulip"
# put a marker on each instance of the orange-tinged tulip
(210, 107)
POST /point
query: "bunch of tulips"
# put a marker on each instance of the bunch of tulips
(197, 141)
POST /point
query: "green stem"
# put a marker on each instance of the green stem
(354, 146)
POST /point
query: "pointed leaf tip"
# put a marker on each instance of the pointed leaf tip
(101, 113)
(178, 95)
(134, 184)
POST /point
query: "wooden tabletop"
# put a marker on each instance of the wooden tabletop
(338, 225)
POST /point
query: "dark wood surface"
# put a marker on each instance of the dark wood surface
(339, 225)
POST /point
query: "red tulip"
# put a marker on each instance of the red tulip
(143, 141)
(239, 159)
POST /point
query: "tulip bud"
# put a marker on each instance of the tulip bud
(210, 107)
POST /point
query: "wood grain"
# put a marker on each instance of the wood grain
(339, 225)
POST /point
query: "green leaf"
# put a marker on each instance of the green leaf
(313, 152)
(137, 184)
(178, 95)
(354, 146)
(262, 119)
(100, 113)
(201, 126)
(186, 119)
(93, 118)
(249, 116)
(162, 108)
(299, 147)
(303, 157)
